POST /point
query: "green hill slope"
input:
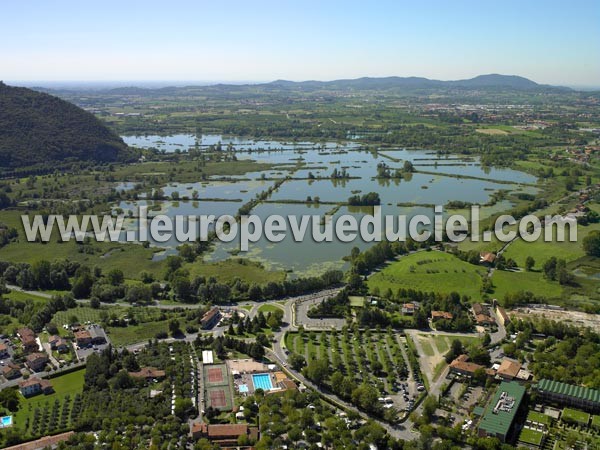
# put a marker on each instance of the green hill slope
(39, 129)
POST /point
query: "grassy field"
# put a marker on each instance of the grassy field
(509, 282)
(530, 436)
(430, 271)
(574, 415)
(233, 268)
(356, 301)
(537, 417)
(265, 309)
(65, 385)
(541, 251)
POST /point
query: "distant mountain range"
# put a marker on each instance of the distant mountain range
(481, 81)
(37, 128)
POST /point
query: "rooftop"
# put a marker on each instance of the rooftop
(501, 411)
(509, 368)
(569, 390)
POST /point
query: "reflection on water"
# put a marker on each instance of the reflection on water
(303, 163)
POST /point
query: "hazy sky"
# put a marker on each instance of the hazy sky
(549, 41)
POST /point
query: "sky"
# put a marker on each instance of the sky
(553, 42)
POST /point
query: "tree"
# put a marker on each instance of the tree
(529, 263)
(296, 361)
(317, 371)
(115, 277)
(9, 399)
(591, 244)
(174, 327)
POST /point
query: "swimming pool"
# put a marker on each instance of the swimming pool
(262, 381)
(243, 388)
(6, 421)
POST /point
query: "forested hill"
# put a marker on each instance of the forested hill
(40, 129)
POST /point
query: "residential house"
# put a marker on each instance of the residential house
(462, 366)
(224, 434)
(83, 338)
(149, 373)
(210, 318)
(97, 334)
(484, 320)
(408, 309)
(4, 351)
(58, 344)
(11, 371)
(36, 361)
(439, 315)
(28, 340)
(487, 258)
(509, 369)
(34, 386)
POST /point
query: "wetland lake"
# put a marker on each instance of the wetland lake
(303, 170)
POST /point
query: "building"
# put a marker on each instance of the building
(224, 434)
(207, 357)
(83, 338)
(502, 316)
(484, 321)
(462, 366)
(59, 344)
(210, 318)
(4, 351)
(438, 315)
(28, 339)
(408, 309)
(45, 442)
(478, 308)
(487, 258)
(97, 334)
(149, 373)
(509, 369)
(499, 414)
(11, 371)
(36, 361)
(569, 395)
(34, 386)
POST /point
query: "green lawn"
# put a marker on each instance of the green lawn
(426, 345)
(442, 343)
(530, 436)
(69, 384)
(230, 269)
(265, 309)
(574, 415)
(508, 282)
(541, 251)
(430, 271)
(356, 301)
(537, 417)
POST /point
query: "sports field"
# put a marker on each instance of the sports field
(218, 387)
(215, 375)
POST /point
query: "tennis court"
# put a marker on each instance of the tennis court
(220, 398)
(216, 375)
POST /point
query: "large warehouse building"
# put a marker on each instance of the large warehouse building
(569, 395)
(500, 413)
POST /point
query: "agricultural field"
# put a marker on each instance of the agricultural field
(430, 271)
(47, 414)
(367, 356)
(506, 282)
